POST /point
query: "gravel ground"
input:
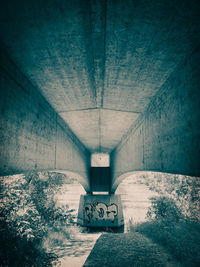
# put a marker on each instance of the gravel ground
(130, 249)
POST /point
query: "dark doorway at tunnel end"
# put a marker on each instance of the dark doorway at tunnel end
(100, 179)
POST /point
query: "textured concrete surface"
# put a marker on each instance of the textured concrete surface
(88, 55)
(100, 129)
(109, 69)
(33, 136)
(166, 138)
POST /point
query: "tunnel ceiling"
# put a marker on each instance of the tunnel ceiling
(99, 63)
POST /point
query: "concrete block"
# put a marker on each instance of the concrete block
(100, 211)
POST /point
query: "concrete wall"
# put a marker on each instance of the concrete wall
(32, 135)
(166, 138)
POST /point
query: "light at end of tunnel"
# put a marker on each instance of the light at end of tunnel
(100, 193)
(100, 160)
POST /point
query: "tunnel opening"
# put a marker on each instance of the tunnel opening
(100, 174)
(100, 193)
(135, 196)
(100, 160)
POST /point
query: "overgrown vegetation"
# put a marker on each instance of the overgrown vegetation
(28, 215)
(170, 228)
(173, 220)
(181, 189)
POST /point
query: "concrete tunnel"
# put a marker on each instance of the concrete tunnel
(113, 77)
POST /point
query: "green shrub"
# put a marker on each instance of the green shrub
(164, 209)
(16, 250)
(27, 215)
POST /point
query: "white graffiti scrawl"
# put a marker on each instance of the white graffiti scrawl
(100, 211)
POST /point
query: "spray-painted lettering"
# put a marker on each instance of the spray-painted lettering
(100, 211)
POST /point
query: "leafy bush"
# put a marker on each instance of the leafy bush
(184, 190)
(164, 209)
(28, 214)
(16, 250)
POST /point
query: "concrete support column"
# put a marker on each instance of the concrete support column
(100, 211)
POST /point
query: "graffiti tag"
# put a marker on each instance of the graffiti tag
(101, 211)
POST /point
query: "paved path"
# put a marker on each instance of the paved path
(130, 249)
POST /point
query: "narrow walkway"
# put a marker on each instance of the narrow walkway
(130, 249)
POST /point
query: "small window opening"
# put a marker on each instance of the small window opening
(100, 160)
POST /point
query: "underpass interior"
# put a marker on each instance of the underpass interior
(100, 91)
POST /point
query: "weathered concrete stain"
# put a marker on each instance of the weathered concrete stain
(105, 68)
(33, 136)
(166, 138)
(104, 57)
